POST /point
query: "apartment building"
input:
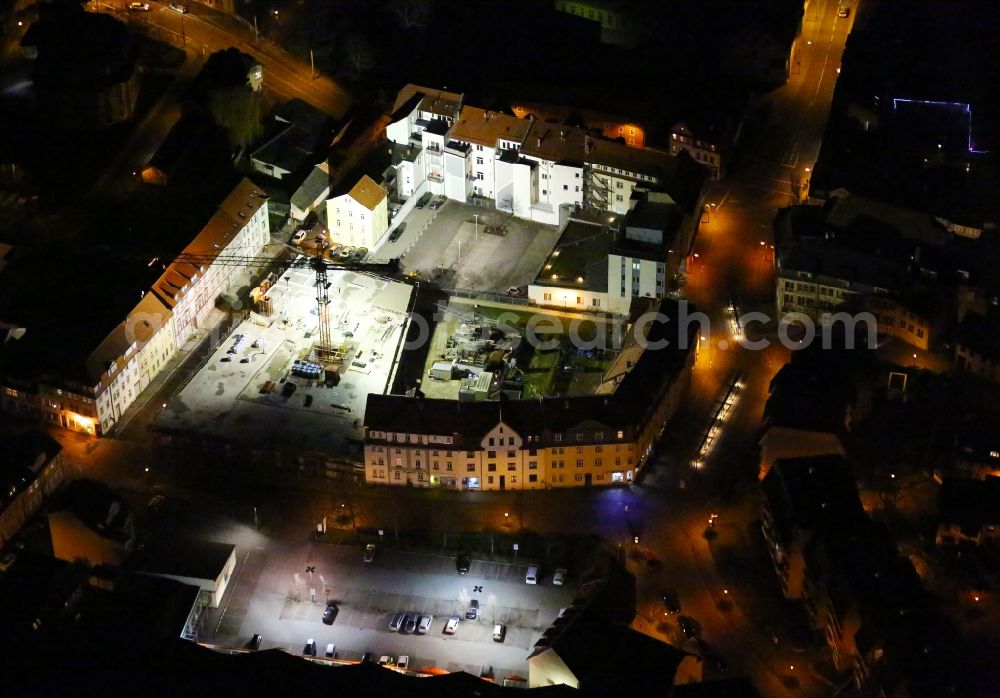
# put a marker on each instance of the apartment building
(591, 440)
(238, 229)
(359, 217)
(31, 469)
(92, 393)
(421, 117)
(534, 170)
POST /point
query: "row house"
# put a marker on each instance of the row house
(592, 440)
(421, 117)
(802, 498)
(238, 229)
(127, 360)
(31, 469)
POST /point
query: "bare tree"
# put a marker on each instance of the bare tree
(411, 14)
(358, 54)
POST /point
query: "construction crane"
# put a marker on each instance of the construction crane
(383, 269)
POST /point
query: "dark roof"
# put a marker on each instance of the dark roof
(580, 252)
(971, 504)
(663, 218)
(304, 115)
(22, 458)
(155, 606)
(601, 655)
(36, 587)
(980, 334)
(315, 184)
(811, 493)
(183, 557)
(810, 396)
(96, 505)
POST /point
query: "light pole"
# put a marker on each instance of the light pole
(476, 216)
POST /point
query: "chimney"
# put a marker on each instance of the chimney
(586, 144)
(539, 142)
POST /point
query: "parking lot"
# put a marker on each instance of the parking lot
(448, 246)
(245, 396)
(287, 601)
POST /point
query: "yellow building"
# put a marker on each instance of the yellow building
(580, 441)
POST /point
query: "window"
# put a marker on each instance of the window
(512, 466)
(596, 303)
(489, 479)
(479, 161)
(492, 467)
(471, 468)
(449, 465)
(565, 187)
(618, 185)
(470, 454)
(578, 477)
(618, 197)
(491, 454)
(491, 441)
(532, 465)
(512, 454)
(579, 437)
(396, 475)
(579, 300)
(546, 296)
(557, 437)
(621, 434)
(598, 461)
(510, 440)
(599, 435)
(544, 192)
(532, 478)
(579, 462)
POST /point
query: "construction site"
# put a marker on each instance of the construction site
(297, 371)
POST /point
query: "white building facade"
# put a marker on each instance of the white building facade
(360, 217)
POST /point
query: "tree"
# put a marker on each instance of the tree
(239, 111)
(411, 14)
(358, 54)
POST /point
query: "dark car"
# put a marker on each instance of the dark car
(368, 658)
(397, 233)
(463, 562)
(254, 642)
(330, 613)
(671, 603)
(424, 200)
(473, 610)
(310, 649)
(410, 624)
(688, 626)
(437, 203)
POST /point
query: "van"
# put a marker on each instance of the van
(532, 576)
(331, 649)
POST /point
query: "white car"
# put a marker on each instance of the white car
(559, 578)
(298, 237)
(452, 625)
(403, 662)
(139, 6)
(385, 660)
(425, 624)
(499, 632)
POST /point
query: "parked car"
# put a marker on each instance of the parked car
(671, 603)
(424, 200)
(451, 627)
(397, 621)
(331, 649)
(385, 660)
(178, 7)
(310, 649)
(410, 624)
(463, 562)
(254, 642)
(298, 237)
(139, 6)
(517, 291)
(843, 11)
(473, 610)
(367, 657)
(397, 233)
(369, 552)
(403, 662)
(359, 253)
(345, 252)
(437, 203)
(425, 624)
(499, 632)
(559, 578)
(330, 613)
